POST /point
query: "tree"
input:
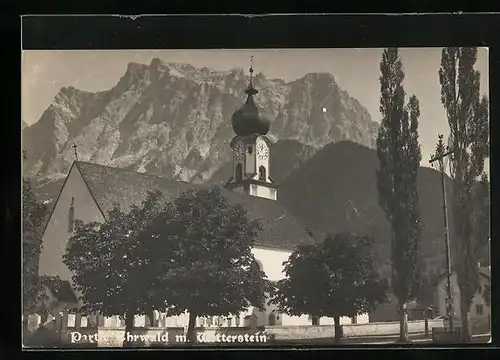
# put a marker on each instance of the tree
(399, 156)
(468, 119)
(115, 264)
(487, 294)
(35, 300)
(481, 217)
(346, 282)
(33, 221)
(212, 270)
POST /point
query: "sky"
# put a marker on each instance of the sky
(355, 70)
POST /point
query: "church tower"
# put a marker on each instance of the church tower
(251, 150)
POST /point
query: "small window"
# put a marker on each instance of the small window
(71, 215)
(229, 320)
(479, 309)
(262, 173)
(237, 321)
(354, 320)
(250, 150)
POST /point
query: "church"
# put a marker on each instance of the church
(90, 191)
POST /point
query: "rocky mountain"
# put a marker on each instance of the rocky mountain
(174, 119)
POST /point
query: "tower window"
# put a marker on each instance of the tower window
(71, 215)
(250, 150)
(262, 173)
(239, 172)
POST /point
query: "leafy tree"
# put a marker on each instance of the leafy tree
(115, 264)
(487, 294)
(212, 270)
(399, 155)
(346, 282)
(481, 216)
(468, 118)
(35, 216)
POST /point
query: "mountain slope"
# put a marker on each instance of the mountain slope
(174, 119)
(336, 191)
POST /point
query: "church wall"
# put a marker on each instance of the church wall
(57, 233)
(271, 261)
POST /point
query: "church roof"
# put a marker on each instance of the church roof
(110, 185)
(485, 272)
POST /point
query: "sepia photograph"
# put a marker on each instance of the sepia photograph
(255, 197)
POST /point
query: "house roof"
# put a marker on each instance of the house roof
(110, 185)
(485, 272)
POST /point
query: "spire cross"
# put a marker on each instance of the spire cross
(250, 90)
(76, 153)
(251, 68)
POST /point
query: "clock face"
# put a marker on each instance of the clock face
(262, 150)
(239, 151)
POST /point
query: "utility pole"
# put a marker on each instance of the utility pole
(439, 156)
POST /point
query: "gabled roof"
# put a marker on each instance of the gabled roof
(110, 185)
(485, 272)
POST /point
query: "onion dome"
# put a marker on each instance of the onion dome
(246, 120)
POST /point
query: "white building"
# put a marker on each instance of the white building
(480, 309)
(90, 191)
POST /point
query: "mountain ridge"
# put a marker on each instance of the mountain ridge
(174, 119)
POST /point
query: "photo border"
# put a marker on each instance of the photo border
(271, 32)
